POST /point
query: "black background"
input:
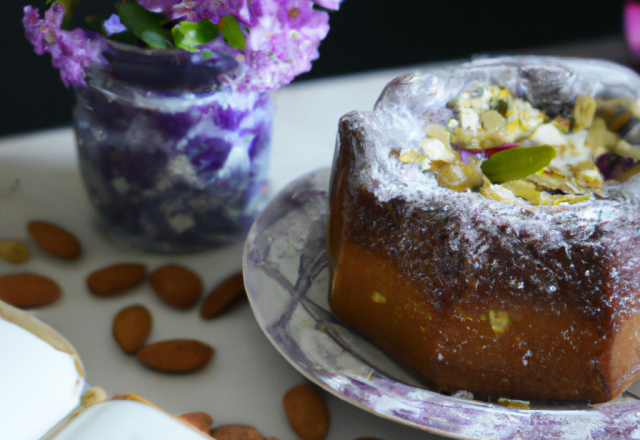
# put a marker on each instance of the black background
(365, 35)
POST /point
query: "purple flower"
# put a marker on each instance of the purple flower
(282, 37)
(282, 43)
(113, 25)
(32, 29)
(71, 51)
(632, 24)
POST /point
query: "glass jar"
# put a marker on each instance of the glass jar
(173, 162)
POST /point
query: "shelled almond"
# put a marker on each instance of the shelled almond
(176, 285)
(26, 290)
(236, 432)
(222, 296)
(176, 356)
(307, 412)
(55, 240)
(116, 279)
(199, 420)
(131, 327)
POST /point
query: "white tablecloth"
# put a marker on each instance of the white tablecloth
(247, 379)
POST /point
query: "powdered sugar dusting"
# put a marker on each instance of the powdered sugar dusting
(289, 298)
(411, 102)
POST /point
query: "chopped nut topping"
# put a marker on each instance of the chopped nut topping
(625, 149)
(499, 320)
(440, 133)
(489, 119)
(436, 150)
(411, 156)
(378, 297)
(458, 176)
(583, 112)
(469, 119)
(492, 120)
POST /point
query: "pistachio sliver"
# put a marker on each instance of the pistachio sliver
(517, 163)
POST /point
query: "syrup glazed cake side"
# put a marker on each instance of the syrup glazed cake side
(476, 232)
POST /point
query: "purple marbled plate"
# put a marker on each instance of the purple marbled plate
(287, 279)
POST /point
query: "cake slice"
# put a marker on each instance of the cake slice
(476, 286)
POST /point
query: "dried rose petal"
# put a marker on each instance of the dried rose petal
(491, 151)
(612, 165)
(465, 155)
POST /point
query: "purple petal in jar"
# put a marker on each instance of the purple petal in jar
(172, 171)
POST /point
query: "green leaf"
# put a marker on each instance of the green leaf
(145, 25)
(206, 54)
(231, 32)
(188, 35)
(317, 7)
(517, 163)
(95, 22)
(125, 37)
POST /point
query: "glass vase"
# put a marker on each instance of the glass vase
(173, 161)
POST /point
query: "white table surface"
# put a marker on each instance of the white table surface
(247, 379)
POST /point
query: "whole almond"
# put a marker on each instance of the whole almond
(199, 420)
(236, 432)
(176, 285)
(131, 327)
(307, 412)
(14, 252)
(116, 279)
(27, 290)
(57, 241)
(176, 356)
(221, 297)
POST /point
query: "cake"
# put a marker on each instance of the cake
(525, 288)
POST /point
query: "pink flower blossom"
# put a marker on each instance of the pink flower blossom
(71, 51)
